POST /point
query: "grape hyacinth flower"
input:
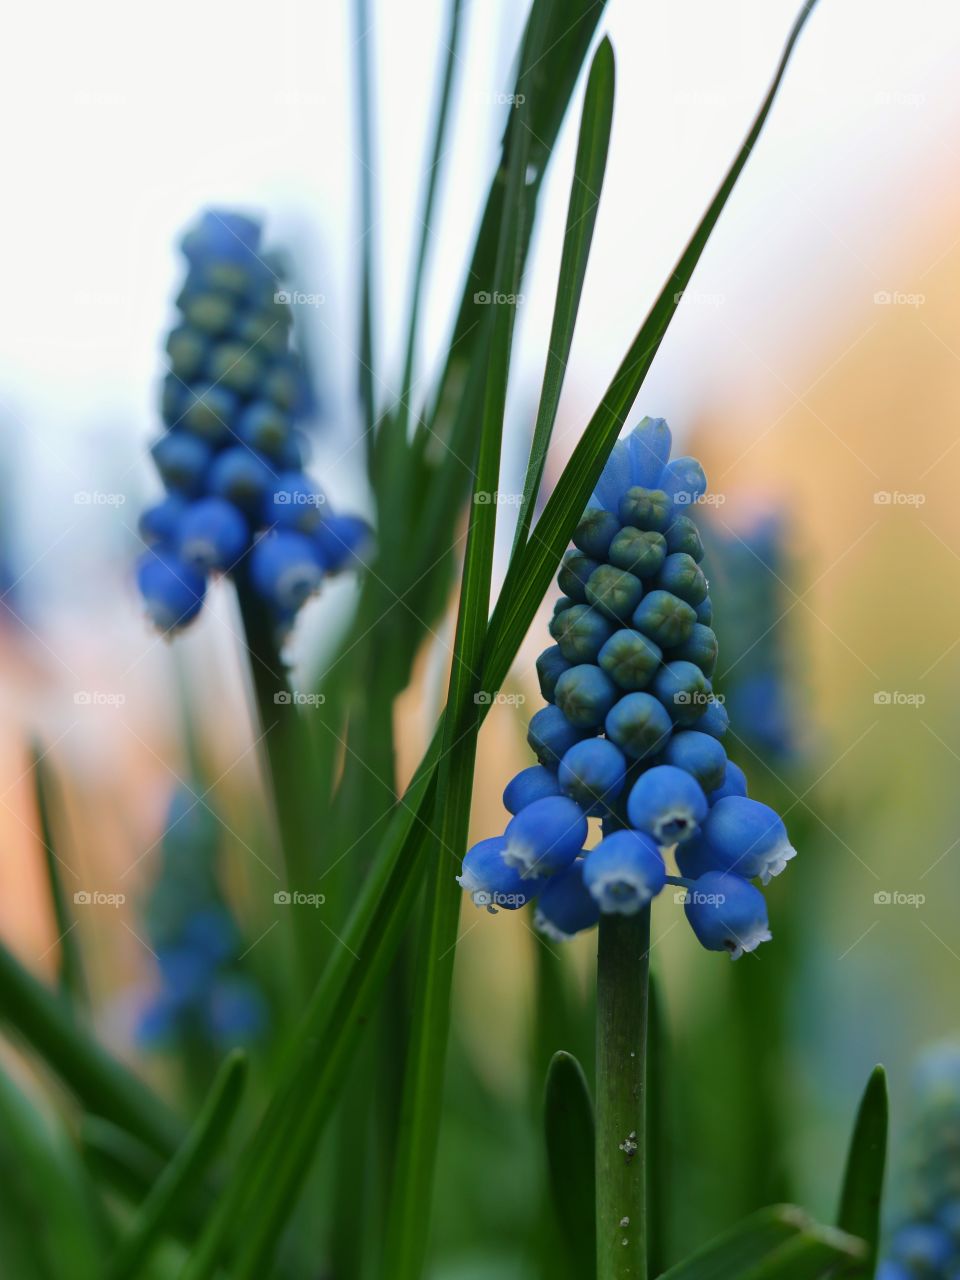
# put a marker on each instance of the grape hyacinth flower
(926, 1239)
(753, 568)
(235, 401)
(205, 1000)
(632, 734)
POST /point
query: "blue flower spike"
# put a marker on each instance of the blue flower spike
(925, 1236)
(632, 733)
(234, 403)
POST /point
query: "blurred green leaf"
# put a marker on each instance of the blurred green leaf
(451, 43)
(124, 1166)
(48, 1226)
(862, 1193)
(102, 1084)
(588, 173)
(569, 1130)
(182, 1176)
(71, 975)
(319, 1053)
(781, 1241)
(813, 1254)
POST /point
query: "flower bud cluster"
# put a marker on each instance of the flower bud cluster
(232, 455)
(632, 733)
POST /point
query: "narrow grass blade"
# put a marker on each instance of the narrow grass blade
(184, 1173)
(589, 169)
(71, 977)
(365, 370)
(776, 1236)
(451, 42)
(862, 1194)
(102, 1084)
(569, 1129)
(530, 572)
(570, 31)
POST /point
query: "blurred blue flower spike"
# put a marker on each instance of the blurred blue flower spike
(205, 999)
(235, 403)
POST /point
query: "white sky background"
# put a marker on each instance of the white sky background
(123, 121)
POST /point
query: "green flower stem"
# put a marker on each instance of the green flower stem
(288, 751)
(622, 991)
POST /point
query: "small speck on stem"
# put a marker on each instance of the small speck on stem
(622, 987)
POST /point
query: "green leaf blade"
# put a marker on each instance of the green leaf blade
(185, 1172)
(588, 174)
(72, 979)
(862, 1194)
(569, 1131)
(780, 1241)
